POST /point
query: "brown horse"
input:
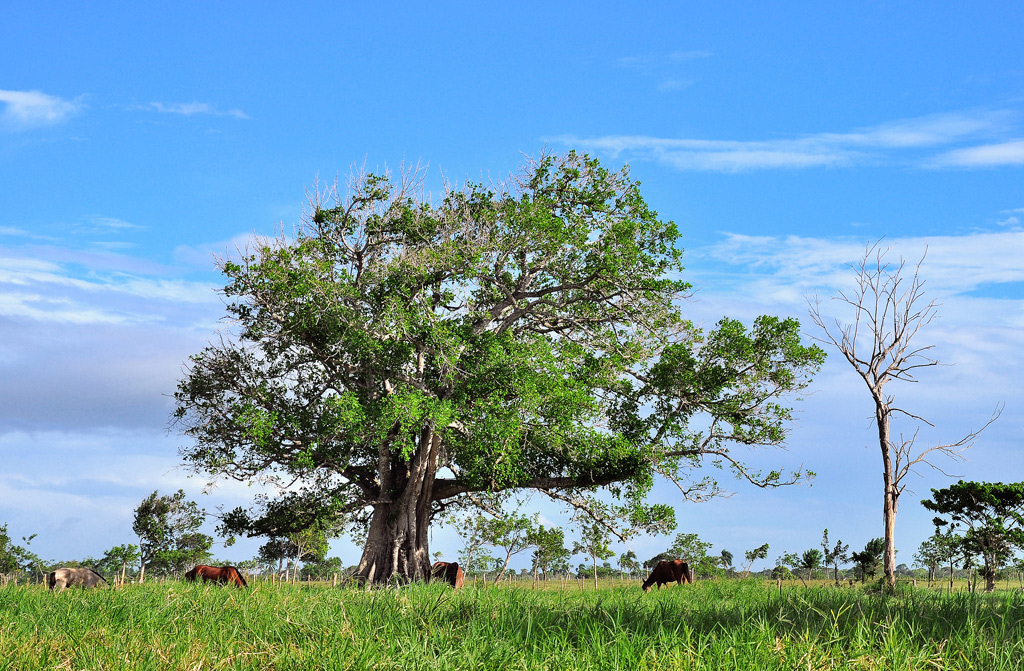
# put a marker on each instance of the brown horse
(449, 572)
(216, 574)
(669, 571)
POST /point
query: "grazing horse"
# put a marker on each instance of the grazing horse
(669, 571)
(70, 577)
(448, 572)
(216, 574)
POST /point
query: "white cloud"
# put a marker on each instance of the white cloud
(30, 109)
(954, 264)
(27, 109)
(896, 141)
(53, 291)
(113, 223)
(651, 60)
(1002, 153)
(193, 109)
(718, 155)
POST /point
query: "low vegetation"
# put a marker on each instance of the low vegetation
(736, 624)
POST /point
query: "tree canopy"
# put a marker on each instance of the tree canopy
(169, 536)
(398, 356)
(988, 518)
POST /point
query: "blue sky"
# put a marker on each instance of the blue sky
(137, 142)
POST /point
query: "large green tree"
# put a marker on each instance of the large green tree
(397, 356)
(989, 517)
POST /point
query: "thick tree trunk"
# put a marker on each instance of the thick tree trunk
(397, 544)
(990, 575)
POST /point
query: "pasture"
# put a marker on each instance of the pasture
(735, 624)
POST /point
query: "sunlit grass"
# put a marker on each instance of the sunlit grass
(709, 625)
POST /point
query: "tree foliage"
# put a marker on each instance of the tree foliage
(168, 531)
(989, 517)
(834, 555)
(869, 560)
(628, 562)
(939, 548)
(752, 556)
(550, 553)
(810, 561)
(396, 357)
(694, 551)
(10, 554)
(512, 532)
(595, 542)
(117, 559)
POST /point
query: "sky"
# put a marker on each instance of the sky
(137, 142)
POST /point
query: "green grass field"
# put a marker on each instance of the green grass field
(737, 624)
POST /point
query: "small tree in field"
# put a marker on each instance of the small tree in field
(753, 555)
(628, 563)
(810, 561)
(990, 516)
(834, 555)
(595, 542)
(869, 559)
(119, 558)
(889, 311)
(693, 550)
(783, 563)
(309, 545)
(725, 559)
(168, 530)
(550, 552)
(513, 533)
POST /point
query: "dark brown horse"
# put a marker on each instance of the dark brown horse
(216, 574)
(669, 571)
(448, 572)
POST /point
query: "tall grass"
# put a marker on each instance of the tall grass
(709, 625)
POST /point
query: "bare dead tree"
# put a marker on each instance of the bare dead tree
(889, 310)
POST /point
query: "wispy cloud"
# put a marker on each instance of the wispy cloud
(903, 141)
(665, 68)
(652, 60)
(28, 109)
(45, 284)
(113, 223)
(1002, 153)
(719, 155)
(955, 265)
(193, 109)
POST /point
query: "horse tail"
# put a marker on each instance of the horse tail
(241, 578)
